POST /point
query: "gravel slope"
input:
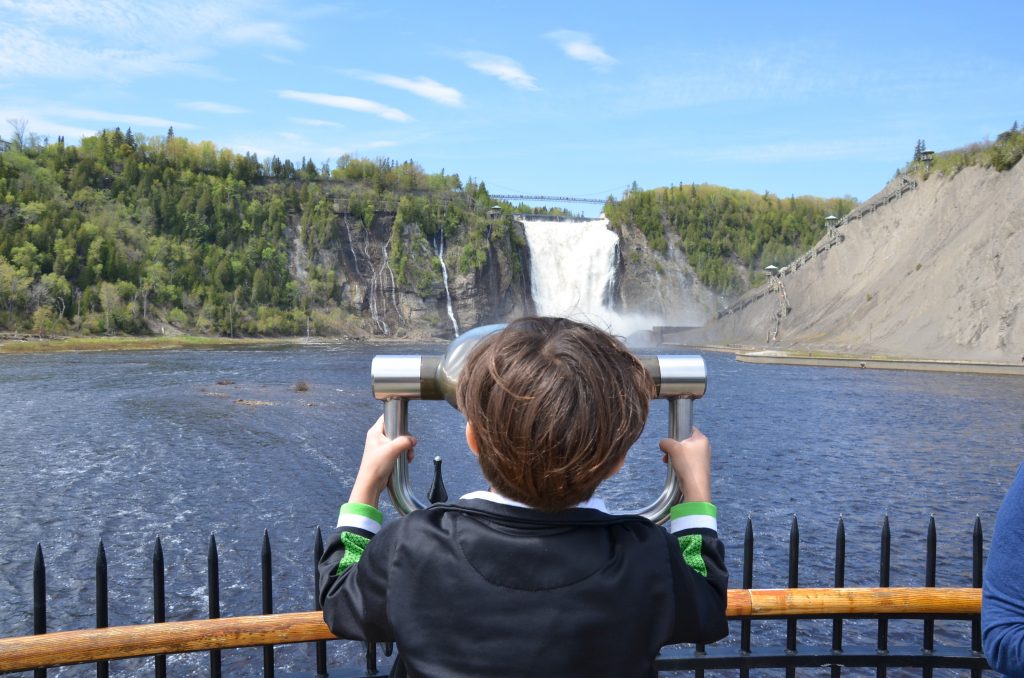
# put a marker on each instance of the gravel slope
(937, 273)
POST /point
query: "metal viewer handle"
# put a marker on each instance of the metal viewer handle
(679, 379)
(396, 423)
(680, 421)
(396, 380)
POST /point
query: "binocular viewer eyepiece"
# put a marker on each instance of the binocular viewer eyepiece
(397, 379)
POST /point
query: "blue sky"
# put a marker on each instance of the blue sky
(567, 98)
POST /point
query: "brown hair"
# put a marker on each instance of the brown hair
(555, 406)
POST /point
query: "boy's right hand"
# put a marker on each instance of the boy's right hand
(691, 461)
(379, 456)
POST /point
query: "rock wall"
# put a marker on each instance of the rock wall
(383, 303)
(663, 288)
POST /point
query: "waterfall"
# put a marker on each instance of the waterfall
(376, 313)
(572, 269)
(439, 248)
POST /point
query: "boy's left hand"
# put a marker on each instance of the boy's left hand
(379, 456)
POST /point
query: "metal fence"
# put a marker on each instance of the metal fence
(837, 655)
(829, 604)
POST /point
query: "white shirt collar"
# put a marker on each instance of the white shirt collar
(487, 495)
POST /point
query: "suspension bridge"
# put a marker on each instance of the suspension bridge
(549, 198)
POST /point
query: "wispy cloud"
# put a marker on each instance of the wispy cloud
(45, 126)
(421, 87)
(121, 118)
(116, 40)
(703, 79)
(262, 32)
(348, 103)
(794, 151)
(581, 47)
(315, 122)
(30, 53)
(379, 143)
(212, 107)
(501, 67)
(293, 138)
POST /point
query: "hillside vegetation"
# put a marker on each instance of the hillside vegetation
(133, 234)
(728, 235)
(103, 236)
(1002, 154)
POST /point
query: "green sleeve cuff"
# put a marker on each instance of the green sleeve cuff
(693, 508)
(362, 516)
(364, 510)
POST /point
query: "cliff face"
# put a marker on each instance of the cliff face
(660, 287)
(937, 273)
(407, 297)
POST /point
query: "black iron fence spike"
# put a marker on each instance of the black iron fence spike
(437, 493)
(928, 644)
(748, 582)
(102, 603)
(39, 599)
(159, 604)
(213, 597)
(977, 554)
(268, 599)
(793, 582)
(839, 582)
(977, 579)
(884, 569)
(320, 647)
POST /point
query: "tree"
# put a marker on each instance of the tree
(13, 285)
(18, 127)
(110, 300)
(42, 321)
(27, 259)
(58, 291)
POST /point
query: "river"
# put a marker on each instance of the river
(127, 447)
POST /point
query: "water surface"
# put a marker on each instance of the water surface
(128, 447)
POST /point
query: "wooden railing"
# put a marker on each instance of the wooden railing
(122, 642)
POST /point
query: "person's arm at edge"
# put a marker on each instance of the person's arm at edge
(1002, 607)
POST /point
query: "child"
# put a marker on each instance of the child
(534, 577)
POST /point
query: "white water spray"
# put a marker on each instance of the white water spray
(439, 248)
(572, 269)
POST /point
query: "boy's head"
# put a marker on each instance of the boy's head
(554, 405)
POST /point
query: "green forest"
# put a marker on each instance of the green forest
(106, 236)
(727, 235)
(124, 233)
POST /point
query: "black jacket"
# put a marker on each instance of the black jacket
(481, 589)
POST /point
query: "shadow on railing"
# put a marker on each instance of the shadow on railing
(881, 604)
